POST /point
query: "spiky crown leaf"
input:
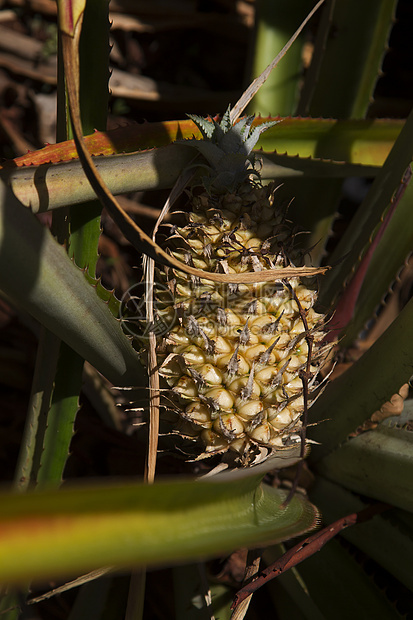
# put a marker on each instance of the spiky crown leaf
(228, 149)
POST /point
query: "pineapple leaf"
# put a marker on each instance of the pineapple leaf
(237, 138)
(388, 450)
(358, 237)
(255, 134)
(46, 187)
(384, 266)
(218, 133)
(226, 123)
(234, 142)
(275, 166)
(366, 142)
(341, 588)
(227, 149)
(204, 126)
(371, 381)
(129, 524)
(60, 418)
(359, 43)
(243, 125)
(380, 537)
(212, 153)
(44, 282)
(41, 391)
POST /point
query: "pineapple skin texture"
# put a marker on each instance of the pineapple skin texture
(234, 357)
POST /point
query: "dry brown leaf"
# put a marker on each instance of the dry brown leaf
(393, 407)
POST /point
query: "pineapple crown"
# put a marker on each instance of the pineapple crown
(228, 148)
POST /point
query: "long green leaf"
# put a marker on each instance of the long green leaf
(378, 538)
(289, 593)
(50, 186)
(355, 141)
(388, 258)
(94, 100)
(47, 534)
(340, 587)
(276, 166)
(353, 57)
(356, 463)
(42, 280)
(343, 87)
(40, 397)
(275, 24)
(357, 237)
(61, 417)
(291, 600)
(354, 396)
(83, 237)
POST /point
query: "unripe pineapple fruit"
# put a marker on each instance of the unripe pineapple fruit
(236, 358)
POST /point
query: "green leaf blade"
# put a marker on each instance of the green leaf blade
(357, 237)
(367, 385)
(356, 462)
(352, 58)
(73, 530)
(379, 538)
(41, 279)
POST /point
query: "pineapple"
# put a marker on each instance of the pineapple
(237, 356)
